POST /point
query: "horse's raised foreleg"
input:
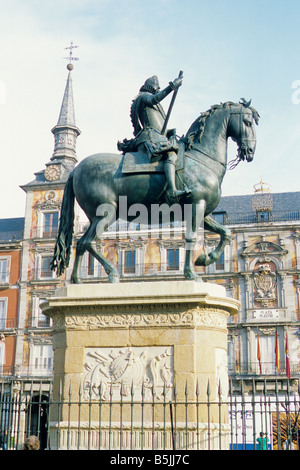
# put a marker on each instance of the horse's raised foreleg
(225, 237)
(194, 218)
(86, 243)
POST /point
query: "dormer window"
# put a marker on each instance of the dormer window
(263, 216)
(220, 217)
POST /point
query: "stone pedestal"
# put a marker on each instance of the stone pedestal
(145, 344)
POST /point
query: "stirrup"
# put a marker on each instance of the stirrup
(178, 192)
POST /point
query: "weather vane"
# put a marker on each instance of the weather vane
(70, 58)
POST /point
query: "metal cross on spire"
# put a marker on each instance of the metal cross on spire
(70, 58)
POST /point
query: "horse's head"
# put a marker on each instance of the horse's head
(241, 128)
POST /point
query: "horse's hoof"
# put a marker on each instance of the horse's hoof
(113, 278)
(192, 276)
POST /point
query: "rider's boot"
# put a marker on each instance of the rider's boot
(170, 176)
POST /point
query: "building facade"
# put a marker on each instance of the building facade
(11, 235)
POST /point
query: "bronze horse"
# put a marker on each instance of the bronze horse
(98, 183)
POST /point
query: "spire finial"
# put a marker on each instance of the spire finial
(66, 131)
(70, 66)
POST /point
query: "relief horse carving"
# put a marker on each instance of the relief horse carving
(98, 182)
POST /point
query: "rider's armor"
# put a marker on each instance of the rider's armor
(148, 118)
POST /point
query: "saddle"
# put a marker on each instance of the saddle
(138, 162)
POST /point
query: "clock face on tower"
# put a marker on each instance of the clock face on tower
(52, 173)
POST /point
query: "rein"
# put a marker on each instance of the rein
(203, 153)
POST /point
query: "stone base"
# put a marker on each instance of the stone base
(141, 341)
(160, 437)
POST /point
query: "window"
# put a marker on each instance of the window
(267, 348)
(43, 268)
(4, 270)
(91, 265)
(220, 264)
(41, 359)
(131, 256)
(39, 320)
(172, 255)
(3, 312)
(172, 259)
(129, 261)
(50, 225)
(46, 271)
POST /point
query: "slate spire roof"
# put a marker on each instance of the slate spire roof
(66, 132)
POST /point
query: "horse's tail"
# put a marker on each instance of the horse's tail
(62, 250)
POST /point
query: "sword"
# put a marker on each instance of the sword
(163, 131)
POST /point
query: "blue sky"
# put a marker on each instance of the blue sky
(227, 50)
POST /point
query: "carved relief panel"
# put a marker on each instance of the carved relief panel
(265, 286)
(264, 262)
(112, 370)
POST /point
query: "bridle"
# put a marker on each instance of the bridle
(243, 144)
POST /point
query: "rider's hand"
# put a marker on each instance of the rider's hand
(177, 83)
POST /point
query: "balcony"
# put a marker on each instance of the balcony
(259, 217)
(8, 324)
(268, 369)
(26, 371)
(41, 232)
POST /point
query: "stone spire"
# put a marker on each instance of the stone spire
(66, 132)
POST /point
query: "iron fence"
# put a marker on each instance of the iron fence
(146, 420)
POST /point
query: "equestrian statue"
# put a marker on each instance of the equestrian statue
(156, 167)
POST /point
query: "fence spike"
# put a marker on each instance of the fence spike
(60, 388)
(122, 391)
(164, 391)
(143, 390)
(253, 387)
(197, 389)
(220, 389)
(132, 390)
(153, 391)
(175, 390)
(100, 391)
(288, 387)
(208, 388)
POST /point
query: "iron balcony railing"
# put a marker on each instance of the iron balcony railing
(258, 217)
(25, 371)
(265, 368)
(121, 226)
(8, 323)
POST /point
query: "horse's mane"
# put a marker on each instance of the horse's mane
(196, 130)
